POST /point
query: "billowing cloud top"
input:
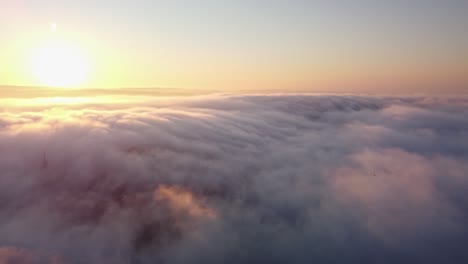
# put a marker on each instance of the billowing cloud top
(235, 179)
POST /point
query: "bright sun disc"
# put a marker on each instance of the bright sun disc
(60, 64)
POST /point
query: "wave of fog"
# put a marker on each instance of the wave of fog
(236, 179)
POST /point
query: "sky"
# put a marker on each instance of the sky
(295, 45)
(235, 179)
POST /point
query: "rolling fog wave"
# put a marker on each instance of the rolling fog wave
(236, 179)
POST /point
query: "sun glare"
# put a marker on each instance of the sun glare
(60, 64)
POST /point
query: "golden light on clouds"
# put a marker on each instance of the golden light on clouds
(184, 201)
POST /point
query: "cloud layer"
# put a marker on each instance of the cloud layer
(236, 179)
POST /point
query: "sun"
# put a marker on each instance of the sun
(59, 63)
